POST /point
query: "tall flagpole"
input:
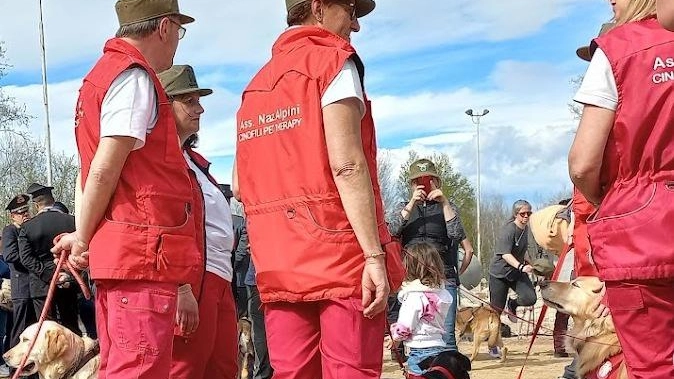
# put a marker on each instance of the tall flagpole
(45, 98)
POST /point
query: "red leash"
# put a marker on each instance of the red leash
(63, 259)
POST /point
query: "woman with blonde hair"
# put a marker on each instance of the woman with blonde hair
(621, 160)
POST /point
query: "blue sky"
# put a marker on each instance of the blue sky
(427, 61)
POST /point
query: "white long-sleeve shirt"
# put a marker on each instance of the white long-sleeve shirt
(422, 315)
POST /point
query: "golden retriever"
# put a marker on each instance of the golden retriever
(485, 325)
(246, 350)
(594, 340)
(58, 353)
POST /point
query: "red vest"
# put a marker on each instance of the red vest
(582, 258)
(302, 244)
(631, 233)
(609, 369)
(148, 230)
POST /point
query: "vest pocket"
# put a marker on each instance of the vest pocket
(630, 208)
(176, 252)
(158, 211)
(325, 222)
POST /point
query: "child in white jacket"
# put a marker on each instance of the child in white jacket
(424, 306)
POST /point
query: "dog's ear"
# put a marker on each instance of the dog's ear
(56, 344)
(463, 361)
(426, 363)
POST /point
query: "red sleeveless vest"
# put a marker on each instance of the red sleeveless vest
(301, 242)
(631, 233)
(148, 230)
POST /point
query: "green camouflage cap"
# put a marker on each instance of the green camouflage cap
(180, 79)
(423, 167)
(135, 11)
(363, 7)
(584, 52)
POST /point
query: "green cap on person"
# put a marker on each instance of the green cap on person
(135, 11)
(363, 7)
(179, 80)
(422, 167)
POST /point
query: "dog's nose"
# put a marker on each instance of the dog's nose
(544, 283)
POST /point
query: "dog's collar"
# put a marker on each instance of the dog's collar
(608, 369)
(448, 374)
(83, 359)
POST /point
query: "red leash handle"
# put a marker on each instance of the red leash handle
(63, 259)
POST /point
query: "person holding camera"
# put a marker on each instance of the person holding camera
(430, 217)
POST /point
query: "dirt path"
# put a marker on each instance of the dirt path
(541, 364)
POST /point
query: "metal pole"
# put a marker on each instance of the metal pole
(479, 194)
(45, 98)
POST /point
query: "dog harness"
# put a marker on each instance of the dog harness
(83, 359)
(607, 370)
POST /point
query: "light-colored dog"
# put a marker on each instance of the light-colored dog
(485, 325)
(246, 349)
(593, 339)
(6, 295)
(58, 353)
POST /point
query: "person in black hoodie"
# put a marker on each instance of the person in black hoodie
(431, 218)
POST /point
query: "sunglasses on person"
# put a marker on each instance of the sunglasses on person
(181, 29)
(525, 214)
(351, 9)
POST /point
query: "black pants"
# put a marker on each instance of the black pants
(240, 300)
(263, 369)
(64, 308)
(498, 291)
(23, 315)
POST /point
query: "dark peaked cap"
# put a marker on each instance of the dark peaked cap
(37, 189)
(18, 203)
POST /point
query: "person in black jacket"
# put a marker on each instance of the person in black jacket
(22, 308)
(35, 241)
(431, 218)
(23, 313)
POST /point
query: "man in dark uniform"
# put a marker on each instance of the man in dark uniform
(23, 311)
(35, 241)
(240, 257)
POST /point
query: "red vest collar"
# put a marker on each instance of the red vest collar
(297, 36)
(121, 46)
(608, 369)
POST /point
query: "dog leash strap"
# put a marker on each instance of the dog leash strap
(443, 371)
(544, 310)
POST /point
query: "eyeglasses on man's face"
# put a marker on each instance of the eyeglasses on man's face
(181, 29)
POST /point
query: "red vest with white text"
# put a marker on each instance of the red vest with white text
(148, 229)
(301, 241)
(632, 232)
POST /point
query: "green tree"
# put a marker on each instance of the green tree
(23, 157)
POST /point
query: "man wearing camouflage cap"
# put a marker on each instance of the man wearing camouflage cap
(207, 348)
(136, 224)
(307, 153)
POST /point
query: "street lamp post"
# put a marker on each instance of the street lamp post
(475, 118)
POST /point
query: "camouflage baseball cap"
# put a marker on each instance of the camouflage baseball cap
(134, 11)
(180, 79)
(363, 7)
(584, 52)
(423, 167)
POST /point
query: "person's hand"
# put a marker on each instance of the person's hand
(64, 280)
(187, 315)
(436, 194)
(418, 195)
(375, 286)
(527, 269)
(77, 250)
(600, 308)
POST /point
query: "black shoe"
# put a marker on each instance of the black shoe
(511, 310)
(561, 354)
